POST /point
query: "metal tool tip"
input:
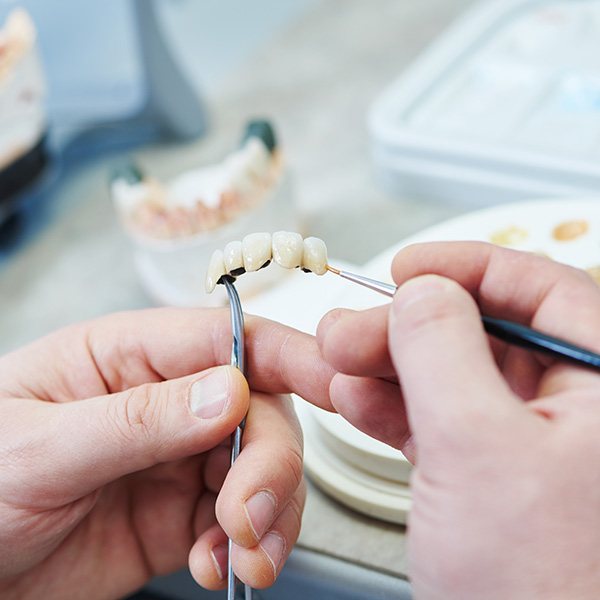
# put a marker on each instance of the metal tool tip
(333, 270)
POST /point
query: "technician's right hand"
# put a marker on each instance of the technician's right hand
(506, 485)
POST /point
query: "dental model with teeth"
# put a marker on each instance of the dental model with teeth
(203, 199)
(257, 250)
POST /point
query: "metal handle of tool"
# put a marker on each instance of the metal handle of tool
(236, 590)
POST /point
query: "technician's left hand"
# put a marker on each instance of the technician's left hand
(114, 458)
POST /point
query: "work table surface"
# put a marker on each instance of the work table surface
(316, 81)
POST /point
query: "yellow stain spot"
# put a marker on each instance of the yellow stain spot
(510, 236)
(570, 230)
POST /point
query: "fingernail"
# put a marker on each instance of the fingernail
(209, 396)
(273, 545)
(261, 512)
(417, 289)
(219, 556)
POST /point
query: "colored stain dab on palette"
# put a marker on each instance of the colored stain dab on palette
(567, 231)
(570, 230)
(509, 236)
(564, 232)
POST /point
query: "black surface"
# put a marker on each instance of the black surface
(128, 172)
(144, 595)
(262, 129)
(20, 174)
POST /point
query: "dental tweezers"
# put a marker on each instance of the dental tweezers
(236, 590)
(507, 331)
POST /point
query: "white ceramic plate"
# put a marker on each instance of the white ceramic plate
(365, 492)
(537, 219)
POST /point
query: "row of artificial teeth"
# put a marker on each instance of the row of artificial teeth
(256, 251)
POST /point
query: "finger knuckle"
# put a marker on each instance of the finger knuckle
(296, 510)
(137, 413)
(293, 462)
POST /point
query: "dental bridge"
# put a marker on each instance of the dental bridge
(257, 250)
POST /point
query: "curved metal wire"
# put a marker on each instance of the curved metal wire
(236, 590)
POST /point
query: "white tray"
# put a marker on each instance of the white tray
(505, 106)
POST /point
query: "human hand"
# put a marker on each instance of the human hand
(506, 486)
(114, 453)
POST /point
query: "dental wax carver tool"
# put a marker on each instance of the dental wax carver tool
(236, 590)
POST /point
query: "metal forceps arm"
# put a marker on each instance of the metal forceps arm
(236, 590)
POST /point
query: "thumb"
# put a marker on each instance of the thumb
(80, 446)
(451, 385)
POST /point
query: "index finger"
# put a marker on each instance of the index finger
(355, 342)
(514, 285)
(174, 342)
(124, 350)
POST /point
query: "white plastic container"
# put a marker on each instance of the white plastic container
(504, 106)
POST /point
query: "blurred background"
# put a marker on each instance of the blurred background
(91, 56)
(312, 68)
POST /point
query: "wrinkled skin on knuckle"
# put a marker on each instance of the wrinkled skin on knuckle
(137, 413)
(293, 459)
(296, 507)
(269, 343)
